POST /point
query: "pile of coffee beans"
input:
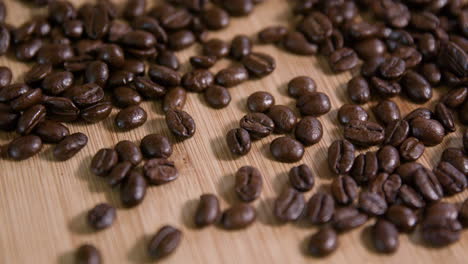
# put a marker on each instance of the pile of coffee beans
(87, 60)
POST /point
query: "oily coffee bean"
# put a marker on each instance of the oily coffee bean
(24, 32)
(13, 91)
(320, 208)
(197, 80)
(174, 99)
(168, 59)
(387, 111)
(402, 217)
(61, 11)
(396, 132)
(385, 88)
(451, 179)
(333, 43)
(96, 22)
(348, 218)
(61, 109)
(208, 211)
(97, 72)
(239, 7)
(295, 42)
(407, 169)
(85, 95)
(164, 242)
(5, 38)
(57, 82)
(301, 178)
(215, 47)
(455, 97)
(411, 149)
(111, 54)
(365, 167)
(30, 119)
(129, 151)
(410, 55)
(286, 149)
(284, 118)
(96, 112)
(54, 53)
(101, 216)
(69, 146)
(289, 205)
(430, 132)
(358, 90)
(138, 39)
(133, 189)
(376, 185)
(238, 141)
(453, 58)
(28, 50)
(432, 73)
(134, 66)
(442, 209)
(348, 112)
(364, 133)
(392, 68)
(215, 18)
(8, 119)
(389, 158)
(160, 171)
(385, 236)
(164, 76)
(445, 117)
(410, 197)
(73, 28)
(147, 88)
(241, 46)
(416, 87)
(257, 124)
(203, 62)
(5, 76)
(238, 216)
(419, 112)
(51, 131)
(175, 19)
(372, 203)
(391, 187)
(156, 146)
(323, 243)
(344, 189)
(260, 101)
(134, 8)
(370, 48)
(120, 78)
(309, 131)
(88, 254)
(343, 59)
(232, 76)
(457, 158)
(180, 123)
(440, 231)
(130, 117)
(217, 96)
(272, 34)
(341, 156)
(25, 101)
(314, 104)
(24, 147)
(125, 96)
(301, 85)
(103, 161)
(248, 184)
(316, 27)
(181, 40)
(118, 173)
(259, 64)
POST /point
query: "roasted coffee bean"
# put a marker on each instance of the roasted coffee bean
(174, 99)
(419, 112)
(427, 184)
(130, 117)
(133, 189)
(314, 104)
(5, 76)
(175, 19)
(134, 8)
(203, 62)
(296, 43)
(392, 68)
(442, 209)
(28, 50)
(24, 32)
(181, 40)
(343, 59)
(57, 82)
(96, 22)
(238, 141)
(257, 124)
(164, 242)
(320, 208)
(232, 76)
(348, 218)
(85, 95)
(386, 89)
(129, 151)
(333, 43)
(309, 131)
(365, 167)
(370, 48)
(215, 18)
(410, 55)
(160, 171)
(61, 109)
(208, 211)
(51, 131)
(344, 189)
(289, 205)
(125, 96)
(156, 146)
(13, 91)
(440, 231)
(54, 53)
(248, 184)
(301, 85)
(364, 133)
(135, 66)
(180, 123)
(432, 73)
(463, 214)
(372, 203)
(358, 90)
(28, 99)
(103, 161)
(453, 58)
(451, 179)
(370, 67)
(164, 76)
(96, 112)
(316, 27)
(402, 217)
(101, 216)
(385, 236)
(323, 243)
(5, 39)
(118, 173)
(8, 119)
(455, 97)
(217, 96)
(301, 178)
(238, 7)
(73, 28)
(377, 184)
(272, 34)
(147, 88)
(241, 46)
(348, 112)
(445, 117)
(260, 101)
(111, 54)
(138, 39)
(259, 64)
(61, 11)
(215, 47)
(430, 132)
(407, 169)
(391, 187)
(286, 149)
(69, 146)
(416, 87)
(387, 111)
(238, 216)
(120, 78)
(24, 147)
(197, 80)
(88, 254)
(396, 132)
(411, 149)
(97, 72)
(168, 59)
(389, 158)
(284, 118)
(30, 119)
(457, 158)
(341, 156)
(410, 197)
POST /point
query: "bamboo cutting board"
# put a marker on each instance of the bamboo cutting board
(43, 202)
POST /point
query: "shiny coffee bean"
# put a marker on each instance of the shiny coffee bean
(384, 88)
(96, 112)
(370, 48)
(289, 205)
(316, 27)
(238, 141)
(341, 156)
(57, 82)
(295, 42)
(343, 59)
(164, 242)
(147, 88)
(130, 117)
(385, 236)
(309, 131)
(69, 146)
(164, 76)
(232, 76)
(197, 80)
(111, 54)
(241, 46)
(286, 149)
(181, 40)
(174, 99)
(440, 231)
(168, 59)
(344, 189)
(249, 183)
(238, 216)
(133, 189)
(402, 217)
(364, 133)
(24, 147)
(160, 171)
(26, 100)
(272, 34)
(301, 178)
(430, 132)
(259, 64)
(387, 111)
(372, 203)
(301, 85)
(61, 109)
(396, 132)
(451, 179)
(432, 73)
(97, 72)
(215, 18)
(257, 124)
(129, 151)
(51, 131)
(208, 210)
(320, 208)
(118, 173)
(101, 216)
(323, 243)
(215, 47)
(103, 161)
(30, 119)
(203, 62)
(85, 95)
(348, 112)
(217, 96)
(365, 167)
(260, 101)
(13, 91)
(124, 96)
(348, 218)
(455, 97)
(416, 87)
(445, 116)
(156, 146)
(392, 68)
(54, 53)
(88, 254)
(5, 76)
(314, 104)
(358, 90)
(120, 78)
(180, 123)
(284, 118)
(411, 149)
(410, 197)
(389, 158)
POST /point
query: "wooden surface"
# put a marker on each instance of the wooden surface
(43, 202)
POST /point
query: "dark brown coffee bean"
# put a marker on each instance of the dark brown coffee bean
(323, 242)
(316, 27)
(217, 96)
(24, 32)
(296, 43)
(129, 151)
(260, 101)
(451, 179)
(208, 211)
(457, 158)
(232, 76)
(5, 76)
(410, 197)
(445, 117)
(164, 242)
(432, 73)
(164, 76)
(384, 88)
(8, 119)
(51, 131)
(396, 132)
(463, 215)
(28, 50)
(272, 34)
(427, 184)
(259, 64)
(24, 147)
(343, 59)
(364, 133)
(320, 208)
(453, 58)
(61, 109)
(430, 132)
(370, 48)
(257, 124)
(309, 131)
(156, 146)
(358, 90)
(238, 141)
(286, 149)
(118, 173)
(69, 146)
(440, 231)
(181, 40)
(101, 216)
(341, 156)
(215, 18)
(197, 80)
(301, 85)
(301, 178)
(138, 39)
(96, 22)
(103, 161)
(160, 171)
(13, 91)
(385, 236)
(61, 11)
(289, 205)
(168, 59)
(365, 167)
(241, 46)
(410, 55)
(387, 111)
(238, 7)
(130, 117)
(411, 149)
(97, 72)
(73, 28)
(88, 254)
(120, 78)
(416, 87)
(57, 82)
(238, 216)
(203, 62)
(248, 184)
(344, 189)
(215, 47)
(348, 112)
(419, 112)
(283, 117)
(392, 68)
(134, 8)
(406, 170)
(348, 218)
(135, 66)
(148, 89)
(314, 104)
(125, 96)
(111, 54)
(30, 119)
(389, 158)
(370, 67)
(133, 189)
(54, 53)
(28, 99)
(455, 97)
(402, 217)
(5, 39)
(174, 99)
(96, 112)
(85, 95)
(180, 123)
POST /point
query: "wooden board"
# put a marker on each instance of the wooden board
(43, 202)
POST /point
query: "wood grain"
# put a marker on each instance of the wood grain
(43, 202)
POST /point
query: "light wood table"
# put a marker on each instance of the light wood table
(43, 202)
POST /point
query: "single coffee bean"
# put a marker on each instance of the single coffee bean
(333, 43)
(130, 117)
(451, 179)
(289, 205)
(101, 216)
(57, 82)
(164, 76)
(239, 7)
(432, 73)
(160, 171)
(370, 48)
(314, 104)
(343, 59)
(416, 87)
(181, 39)
(456, 158)
(365, 167)
(301, 178)
(61, 109)
(309, 131)
(85, 95)
(120, 78)
(387, 111)
(428, 185)
(316, 27)
(241, 46)
(295, 42)
(411, 149)
(215, 47)
(442, 209)
(452, 57)
(156, 146)
(402, 217)
(30, 119)
(133, 189)
(238, 141)
(232, 76)
(283, 117)
(341, 156)
(217, 96)
(174, 99)
(419, 112)
(257, 124)
(54, 53)
(348, 218)
(350, 112)
(358, 90)
(96, 22)
(134, 66)
(455, 97)
(138, 39)
(13, 91)
(88, 254)
(5, 76)
(445, 116)
(260, 101)
(344, 189)
(215, 18)
(301, 85)
(372, 203)
(24, 147)
(111, 54)
(103, 161)
(134, 8)
(385, 236)
(97, 72)
(364, 133)
(70, 146)
(430, 132)
(129, 151)
(396, 132)
(272, 34)
(410, 197)
(248, 184)
(8, 119)
(168, 59)
(197, 80)
(96, 112)
(164, 242)
(125, 96)
(389, 158)
(28, 99)
(238, 216)
(286, 149)
(180, 123)
(203, 62)
(5, 38)
(259, 64)
(320, 208)
(118, 173)
(410, 55)
(208, 211)
(392, 68)
(384, 88)
(148, 89)
(323, 243)
(51, 131)
(439, 231)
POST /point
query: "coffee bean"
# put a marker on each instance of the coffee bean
(343, 59)
(289, 205)
(69, 146)
(96, 112)
(286, 149)
(411, 149)
(348, 218)
(427, 184)
(134, 8)
(125, 96)
(248, 184)
(103, 161)
(238, 216)
(463, 214)
(283, 117)
(30, 119)
(215, 18)
(314, 104)
(197, 80)
(13, 91)
(101, 216)
(453, 58)
(364, 133)
(316, 27)
(455, 97)
(440, 231)
(24, 147)
(406, 170)
(451, 179)
(156, 146)
(61, 11)
(309, 131)
(365, 167)
(370, 67)
(387, 111)
(260, 101)
(442, 209)
(54, 53)
(301, 178)
(323, 243)
(204, 62)
(180, 123)
(392, 68)
(57, 82)
(129, 151)
(61, 109)
(147, 88)
(396, 132)
(419, 112)
(416, 87)
(257, 124)
(26, 100)
(208, 211)
(74, 28)
(5, 76)
(241, 46)
(402, 217)
(341, 156)
(333, 43)
(301, 85)
(358, 90)
(119, 173)
(348, 112)
(181, 40)
(130, 118)
(51, 131)
(389, 158)
(216, 47)
(160, 171)
(386, 186)
(164, 242)
(111, 54)
(370, 48)
(430, 132)
(410, 197)
(385, 236)
(217, 96)
(386, 89)
(5, 38)
(88, 254)
(320, 208)
(272, 34)
(232, 76)
(168, 59)
(120, 78)
(133, 189)
(174, 99)
(97, 72)
(432, 73)
(344, 189)
(238, 141)
(85, 95)
(445, 117)
(259, 64)
(296, 43)
(135, 66)
(8, 119)
(238, 7)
